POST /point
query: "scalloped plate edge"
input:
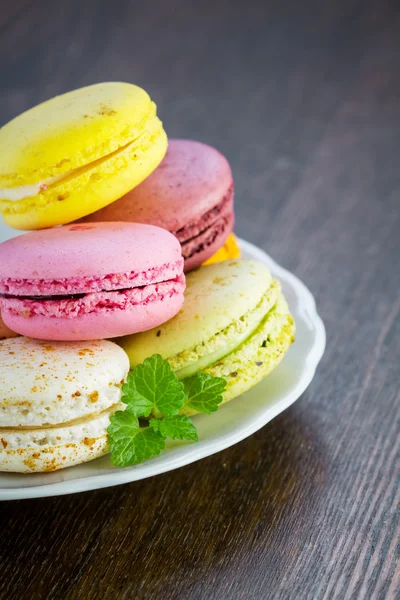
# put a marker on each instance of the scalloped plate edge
(175, 458)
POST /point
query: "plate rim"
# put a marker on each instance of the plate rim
(200, 450)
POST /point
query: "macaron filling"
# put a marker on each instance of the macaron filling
(227, 341)
(81, 303)
(65, 408)
(274, 326)
(89, 157)
(47, 449)
(61, 188)
(83, 285)
(44, 384)
(24, 192)
(56, 400)
(258, 355)
(78, 305)
(51, 427)
(194, 228)
(220, 230)
(198, 235)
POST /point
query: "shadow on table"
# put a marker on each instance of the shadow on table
(256, 498)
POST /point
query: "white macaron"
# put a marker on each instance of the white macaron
(56, 399)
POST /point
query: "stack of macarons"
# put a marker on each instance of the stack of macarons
(117, 219)
(191, 195)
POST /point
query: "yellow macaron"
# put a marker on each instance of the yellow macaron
(76, 153)
(229, 250)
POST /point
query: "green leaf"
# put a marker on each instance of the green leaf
(204, 392)
(131, 444)
(138, 405)
(153, 386)
(177, 427)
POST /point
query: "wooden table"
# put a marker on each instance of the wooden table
(304, 99)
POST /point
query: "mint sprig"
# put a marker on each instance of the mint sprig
(152, 388)
(178, 427)
(131, 444)
(204, 392)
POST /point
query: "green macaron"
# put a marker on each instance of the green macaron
(235, 324)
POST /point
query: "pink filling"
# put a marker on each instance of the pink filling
(84, 285)
(194, 228)
(94, 302)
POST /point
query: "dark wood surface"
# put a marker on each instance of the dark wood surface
(304, 99)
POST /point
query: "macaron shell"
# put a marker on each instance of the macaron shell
(192, 179)
(87, 250)
(258, 356)
(43, 383)
(71, 130)
(207, 244)
(46, 450)
(101, 324)
(215, 296)
(202, 355)
(90, 189)
(53, 458)
(80, 151)
(80, 259)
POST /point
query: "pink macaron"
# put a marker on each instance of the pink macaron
(90, 281)
(190, 194)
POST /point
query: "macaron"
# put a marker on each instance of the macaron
(190, 194)
(90, 281)
(56, 401)
(76, 153)
(229, 250)
(5, 332)
(235, 324)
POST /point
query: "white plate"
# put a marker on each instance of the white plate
(233, 422)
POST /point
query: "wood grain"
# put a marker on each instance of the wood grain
(304, 99)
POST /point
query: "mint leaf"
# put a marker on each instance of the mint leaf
(204, 392)
(138, 405)
(131, 444)
(177, 427)
(153, 386)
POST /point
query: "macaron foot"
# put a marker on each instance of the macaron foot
(235, 324)
(56, 401)
(77, 153)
